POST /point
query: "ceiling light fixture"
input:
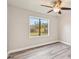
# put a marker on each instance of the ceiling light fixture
(56, 9)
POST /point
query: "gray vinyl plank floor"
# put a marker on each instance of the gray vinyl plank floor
(53, 51)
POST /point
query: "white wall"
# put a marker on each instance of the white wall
(18, 29)
(65, 27)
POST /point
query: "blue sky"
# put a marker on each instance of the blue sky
(34, 20)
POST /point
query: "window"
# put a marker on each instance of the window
(38, 26)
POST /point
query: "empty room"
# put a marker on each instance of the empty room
(39, 29)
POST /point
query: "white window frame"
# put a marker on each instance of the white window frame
(38, 35)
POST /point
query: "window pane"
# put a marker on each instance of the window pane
(44, 27)
(34, 26)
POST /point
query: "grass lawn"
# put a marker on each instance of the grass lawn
(36, 34)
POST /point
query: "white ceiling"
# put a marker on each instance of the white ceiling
(34, 5)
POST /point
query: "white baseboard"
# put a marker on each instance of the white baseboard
(65, 42)
(16, 50)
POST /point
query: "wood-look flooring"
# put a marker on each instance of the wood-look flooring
(52, 51)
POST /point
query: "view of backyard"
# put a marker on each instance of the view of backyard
(38, 26)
